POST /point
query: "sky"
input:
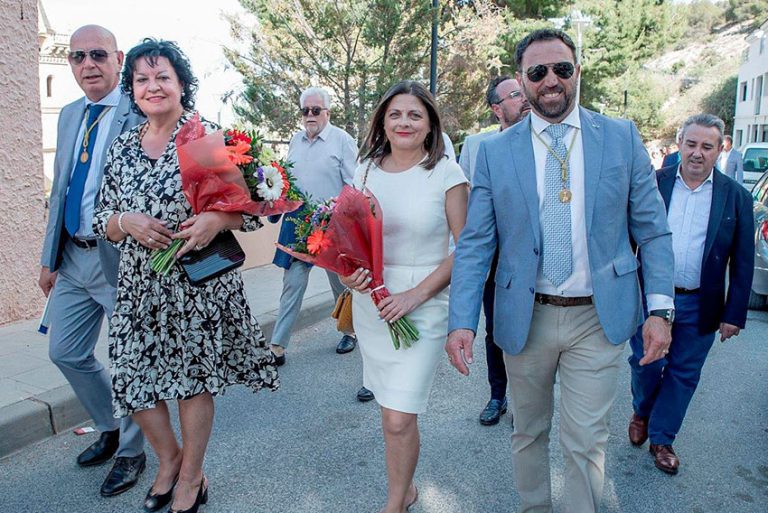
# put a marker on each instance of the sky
(198, 28)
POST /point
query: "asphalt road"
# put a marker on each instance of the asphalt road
(311, 447)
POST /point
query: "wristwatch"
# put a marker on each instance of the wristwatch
(667, 314)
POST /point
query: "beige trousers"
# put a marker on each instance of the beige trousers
(568, 340)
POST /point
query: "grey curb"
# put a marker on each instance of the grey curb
(55, 411)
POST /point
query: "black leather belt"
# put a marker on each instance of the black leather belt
(546, 299)
(681, 291)
(84, 243)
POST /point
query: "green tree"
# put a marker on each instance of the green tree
(722, 102)
(744, 10)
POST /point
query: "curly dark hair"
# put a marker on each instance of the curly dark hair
(376, 145)
(150, 49)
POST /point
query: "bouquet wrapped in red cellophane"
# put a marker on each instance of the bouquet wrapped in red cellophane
(342, 235)
(228, 172)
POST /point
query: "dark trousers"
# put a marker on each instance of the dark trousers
(662, 390)
(497, 372)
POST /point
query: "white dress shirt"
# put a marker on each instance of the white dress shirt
(93, 182)
(723, 162)
(580, 282)
(688, 219)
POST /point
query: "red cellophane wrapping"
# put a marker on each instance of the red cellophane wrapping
(210, 181)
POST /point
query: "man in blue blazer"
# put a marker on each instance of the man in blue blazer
(78, 270)
(559, 195)
(711, 219)
(730, 161)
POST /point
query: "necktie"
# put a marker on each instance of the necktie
(558, 251)
(79, 176)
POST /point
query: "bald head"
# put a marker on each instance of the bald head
(95, 61)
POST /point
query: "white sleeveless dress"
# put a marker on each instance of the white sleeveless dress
(416, 238)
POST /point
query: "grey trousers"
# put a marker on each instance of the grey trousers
(295, 280)
(569, 341)
(80, 300)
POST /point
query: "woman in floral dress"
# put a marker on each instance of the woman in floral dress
(170, 340)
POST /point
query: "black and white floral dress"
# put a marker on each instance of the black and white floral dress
(169, 339)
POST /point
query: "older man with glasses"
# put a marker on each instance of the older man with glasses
(77, 271)
(324, 159)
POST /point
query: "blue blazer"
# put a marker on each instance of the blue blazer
(286, 237)
(68, 127)
(730, 244)
(673, 159)
(621, 198)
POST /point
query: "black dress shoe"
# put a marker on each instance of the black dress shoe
(346, 344)
(493, 412)
(279, 360)
(157, 501)
(101, 450)
(124, 475)
(364, 395)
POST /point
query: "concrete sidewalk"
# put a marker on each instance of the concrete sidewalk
(37, 402)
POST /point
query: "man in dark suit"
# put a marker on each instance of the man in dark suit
(82, 268)
(673, 158)
(711, 219)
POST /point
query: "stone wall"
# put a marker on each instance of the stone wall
(22, 208)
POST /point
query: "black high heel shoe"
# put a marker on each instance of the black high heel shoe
(202, 498)
(157, 501)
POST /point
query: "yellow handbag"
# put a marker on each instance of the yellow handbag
(342, 312)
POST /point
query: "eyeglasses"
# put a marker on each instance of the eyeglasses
(537, 72)
(512, 95)
(97, 55)
(314, 110)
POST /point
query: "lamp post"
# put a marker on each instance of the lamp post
(433, 60)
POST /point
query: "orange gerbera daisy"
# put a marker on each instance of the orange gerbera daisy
(238, 153)
(317, 242)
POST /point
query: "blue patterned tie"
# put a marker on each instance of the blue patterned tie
(558, 251)
(79, 176)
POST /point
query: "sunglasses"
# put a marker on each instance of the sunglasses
(98, 56)
(512, 95)
(537, 72)
(314, 110)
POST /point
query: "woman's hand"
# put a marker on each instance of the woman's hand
(199, 230)
(148, 231)
(358, 280)
(399, 305)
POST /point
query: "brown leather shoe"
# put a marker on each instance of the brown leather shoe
(665, 458)
(638, 429)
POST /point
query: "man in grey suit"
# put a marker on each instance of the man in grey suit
(559, 195)
(79, 271)
(509, 105)
(730, 161)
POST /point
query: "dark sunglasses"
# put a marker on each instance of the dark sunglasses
(314, 110)
(98, 56)
(537, 72)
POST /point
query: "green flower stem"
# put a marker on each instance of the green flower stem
(163, 259)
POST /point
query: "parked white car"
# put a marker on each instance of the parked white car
(755, 161)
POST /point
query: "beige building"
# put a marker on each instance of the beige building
(22, 204)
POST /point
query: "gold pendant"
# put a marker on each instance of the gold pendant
(565, 196)
(84, 157)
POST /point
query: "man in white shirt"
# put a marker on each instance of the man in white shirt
(730, 161)
(559, 195)
(509, 105)
(711, 219)
(77, 271)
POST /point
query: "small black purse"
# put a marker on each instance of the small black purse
(220, 256)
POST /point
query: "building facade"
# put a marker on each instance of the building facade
(22, 204)
(751, 119)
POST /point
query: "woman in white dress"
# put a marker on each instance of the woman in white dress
(423, 197)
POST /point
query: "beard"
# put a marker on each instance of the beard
(551, 111)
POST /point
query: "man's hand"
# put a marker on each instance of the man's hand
(727, 331)
(459, 349)
(657, 336)
(46, 280)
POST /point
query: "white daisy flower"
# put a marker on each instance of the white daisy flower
(271, 187)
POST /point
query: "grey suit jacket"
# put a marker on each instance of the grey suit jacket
(468, 154)
(734, 167)
(622, 199)
(69, 125)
